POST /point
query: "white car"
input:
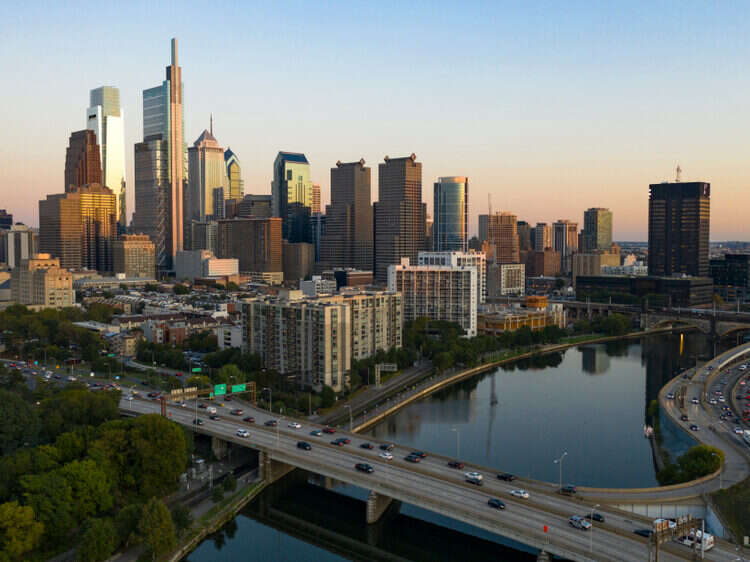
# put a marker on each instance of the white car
(738, 430)
(579, 523)
(295, 425)
(695, 401)
(523, 494)
(385, 455)
(713, 401)
(243, 433)
(722, 399)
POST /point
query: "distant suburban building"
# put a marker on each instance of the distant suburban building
(39, 281)
(134, 256)
(437, 292)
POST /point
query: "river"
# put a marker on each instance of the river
(589, 401)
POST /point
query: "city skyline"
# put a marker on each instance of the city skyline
(541, 155)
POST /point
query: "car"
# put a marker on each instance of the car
(202, 406)
(644, 532)
(496, 503)
(366, 446)
(722, 399)
(670, 396)
(579, 523)
(684, 417)
(295, 425)
(455, 464)
(598, 517)
(243, 433)
(386, 447)
(329, 430)
(695, 400)
(338, 442)
(385, 455)
(419, 454)
(236, 412)
(228, 398)
(474, 478)
(248, 419)
(178, 374)
(364, 467)
(506, 476)
(271, 423)
(523, 494)
(214, 416)
(304, 445)
(713, 401)
(694, 427)
(568, 490)
(412, 458)
(197, 421)
(58, 377)
(316, 433)
(738, 430)
(153, 394)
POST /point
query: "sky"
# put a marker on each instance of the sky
(550, 107)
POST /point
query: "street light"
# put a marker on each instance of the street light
(270, 401)
(560, 461)
(458, 441)
(350, 416)
(591, 536)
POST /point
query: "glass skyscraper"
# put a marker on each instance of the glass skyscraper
(450, 229)
(291, 191)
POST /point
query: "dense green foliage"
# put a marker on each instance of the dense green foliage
(20, 424)
(699, 461)
(19, 531)
(99, 541)
(734, 504)
(156, 528)
(612, 325)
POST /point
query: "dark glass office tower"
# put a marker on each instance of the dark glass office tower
(678, 228)
(451, 201)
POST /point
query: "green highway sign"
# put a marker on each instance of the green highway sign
(110, 355)
(220, 389)
(196, 369)
(238, 388)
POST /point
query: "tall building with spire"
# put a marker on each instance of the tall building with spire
(82, 160)
(105, 118)
(234, 175)
(206, 172)
(160, 166)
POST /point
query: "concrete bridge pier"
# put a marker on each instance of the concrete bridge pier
(542, 556)
(377, 504)
(219, 447)
(271, 470)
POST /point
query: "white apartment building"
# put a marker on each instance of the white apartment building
(317, 286)
(467, 259)
(437, 292)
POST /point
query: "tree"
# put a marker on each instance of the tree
(19, 532)
(90, 487)
(126, 524)
(218, 494)
(99, 541)
(230, 483)
(51, 497)
(180, 289)
(229, 374)
(20, 422)
(156, 528)
(181, 518)
(328, 396)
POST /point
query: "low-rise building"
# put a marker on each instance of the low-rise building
(537, 314)
(40, 282)
(192, 264)
(437, 292)
(348, 277)
(505, 279)
(592, 263)
(317, 286)
(228, 336)
(665, 291)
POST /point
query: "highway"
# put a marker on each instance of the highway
(433, 485)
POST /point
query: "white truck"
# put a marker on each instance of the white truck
(694, 539)
(211, 410)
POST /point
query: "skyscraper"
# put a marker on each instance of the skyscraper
(502, 232)
(399, 214)
(207, 171)
(160, 166)
(451, 201)
(6, 220)
(678, 228)
(524, 236)
(543, 236)
(315, 199)
(291, 191)
(347, 241)
(82, 160)
(565, 241)
(597, 229)
(105, 118)
(234, 175)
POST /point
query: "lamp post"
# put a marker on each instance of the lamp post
(458, 442)
(591, 536)
(348, 406)
(560, 461)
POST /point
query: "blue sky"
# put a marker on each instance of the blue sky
(552, 107)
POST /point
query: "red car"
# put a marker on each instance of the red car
(338, 442)
(178, 374)
(249, 419)
(329, 430)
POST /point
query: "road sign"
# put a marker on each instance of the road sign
(220, 389)
(195, 370)
(110, 354)
(388, 367)
(191, 391)
(238, 388)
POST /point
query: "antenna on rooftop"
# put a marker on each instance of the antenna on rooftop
(211, 126)
(489, 203)
(678, 173)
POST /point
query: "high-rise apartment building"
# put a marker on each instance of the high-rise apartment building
(678, 228)
(565, 240)
(315, 199)
(78, 227)
(503, 235)
(133, 255)
(160, 166)
(256, 243)
(399, 215)
(207, 171)
(543, 236)
(235, 183)
(524, 236)
(291, 190)
(348, 237)
(450, 231)
(597, 229)
(460, 259)
(18, 243)
(82, 160)
(105, 118)
(39, 281)
(437, 292)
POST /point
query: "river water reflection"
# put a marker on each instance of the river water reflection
(590, 401)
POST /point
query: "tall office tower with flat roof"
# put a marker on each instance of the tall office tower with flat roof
(160, 166)
(105, 118)
(347, 241)
(678, 228)
(400, 214)
(597, 229)
(451, 227)
(82, 162)
(292, 195)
